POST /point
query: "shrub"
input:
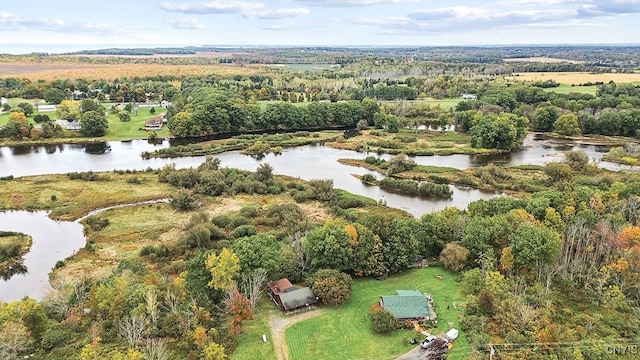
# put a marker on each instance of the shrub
(249, 211)
(54, 337)
(97, 223)
(244, 230)
(154, 252)
(382, 320)
(183, 201)
(331, 286)
(368, 178)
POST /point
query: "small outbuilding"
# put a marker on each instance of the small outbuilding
(290, 298)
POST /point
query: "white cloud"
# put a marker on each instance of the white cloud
(185, 23)
(213, 7)
(253, 10)
(13, 22)
(277, 13)
(284, 26)
(542, 2)
(347, 3)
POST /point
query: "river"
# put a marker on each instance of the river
(53, 240)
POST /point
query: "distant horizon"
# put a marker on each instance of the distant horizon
(65, 26)
(59, 49)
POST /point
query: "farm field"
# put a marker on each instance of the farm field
(542, 60)
(51, 70)
(566, 89)
(346, 330)
(576, 78)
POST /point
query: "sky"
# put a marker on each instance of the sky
(65, 25)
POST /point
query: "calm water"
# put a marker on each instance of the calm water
(52, 241)
(55, 240)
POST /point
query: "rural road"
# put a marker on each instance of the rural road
(278, 324)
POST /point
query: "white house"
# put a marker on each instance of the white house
(3, 100)
(46, 108)
(469, 96)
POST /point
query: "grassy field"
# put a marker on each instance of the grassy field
(71, 199)
(250, 345)
(443, 103)
(576, 78)
(566, 89)
(134, 129)
(346, 330)
(74, 69)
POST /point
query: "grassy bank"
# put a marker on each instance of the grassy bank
(346, 330)
(251, 144)
(410, 143)
(70, 199)
(13, 246)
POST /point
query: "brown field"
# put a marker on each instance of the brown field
(542, 60)
(64, 70)
(576, 78)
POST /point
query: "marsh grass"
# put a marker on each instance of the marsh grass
(71, 199)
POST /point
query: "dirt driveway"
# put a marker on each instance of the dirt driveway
(279, 323)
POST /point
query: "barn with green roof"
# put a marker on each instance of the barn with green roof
(407, 304)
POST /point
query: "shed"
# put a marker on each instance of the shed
(407, 304)
(301, 297)
(289, 297)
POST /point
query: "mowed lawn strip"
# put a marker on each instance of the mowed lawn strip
(345, 332)
(250, 345)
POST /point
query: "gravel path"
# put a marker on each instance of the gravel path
(278, 324)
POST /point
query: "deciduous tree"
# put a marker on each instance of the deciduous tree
(224, 268)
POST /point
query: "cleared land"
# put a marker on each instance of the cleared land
(542, 60)
(443, 103)
(64, 70)
(566, 89)
(346, 330)
(576, 78)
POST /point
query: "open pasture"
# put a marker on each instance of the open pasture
(576, 78)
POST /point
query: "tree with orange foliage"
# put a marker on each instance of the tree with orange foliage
(18, 127)
(239, 307)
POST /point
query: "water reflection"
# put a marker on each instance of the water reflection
(12, 269)
(51, 241)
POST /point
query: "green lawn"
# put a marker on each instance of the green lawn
(345, 332)
(250, 344)
(565, 89)
(117, 130)
(443, 103)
